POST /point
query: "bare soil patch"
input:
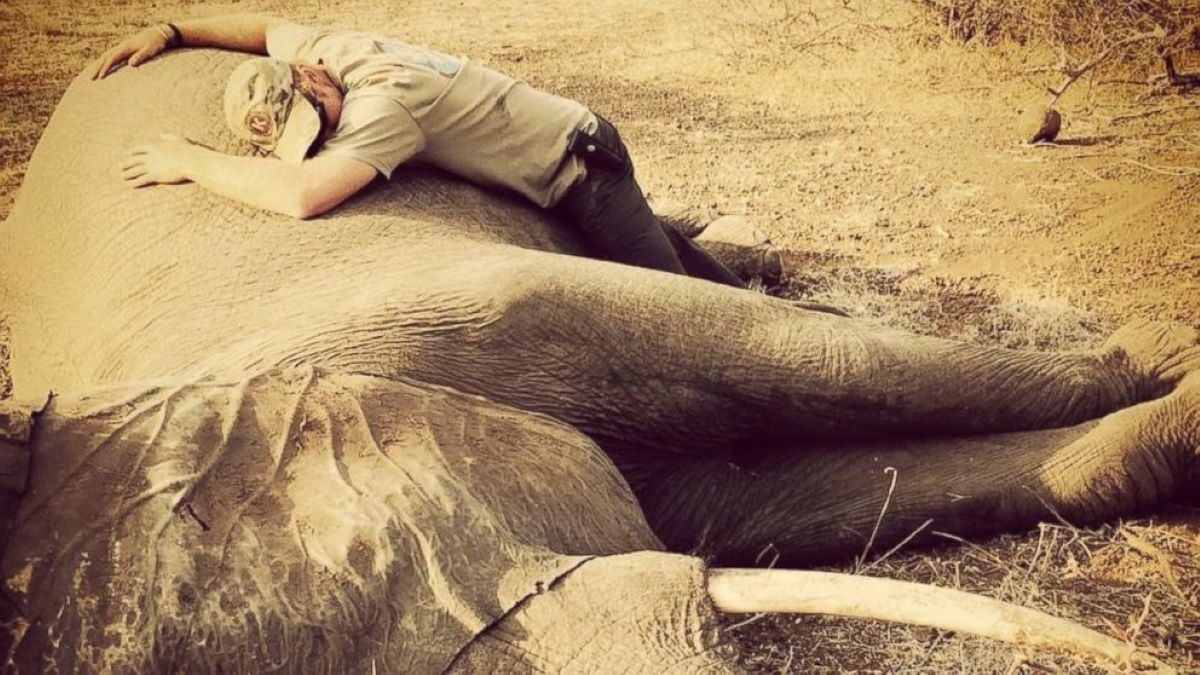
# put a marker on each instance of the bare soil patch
(887, 164)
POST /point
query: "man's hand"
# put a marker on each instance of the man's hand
(239, 32)
(134, 50)
(299, 190)
(157, 163)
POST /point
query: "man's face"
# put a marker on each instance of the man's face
(316, 80)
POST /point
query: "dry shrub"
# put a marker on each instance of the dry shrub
(1079, 28)
(1058, 22)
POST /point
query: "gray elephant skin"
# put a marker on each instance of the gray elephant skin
(418, 435)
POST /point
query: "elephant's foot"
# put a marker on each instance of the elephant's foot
(1160, 353)
(732, 239)
(1129, 461)
(744, 248)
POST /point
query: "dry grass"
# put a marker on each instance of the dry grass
(962, 308)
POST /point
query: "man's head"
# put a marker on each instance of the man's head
(284, 108)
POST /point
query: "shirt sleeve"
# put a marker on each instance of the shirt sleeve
(377, 130)
(290, 41)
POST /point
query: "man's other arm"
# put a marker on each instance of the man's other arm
(301, 190)
(237, 32)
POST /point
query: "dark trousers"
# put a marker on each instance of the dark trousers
(610, 212)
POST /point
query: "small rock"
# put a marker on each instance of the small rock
(1040, 124)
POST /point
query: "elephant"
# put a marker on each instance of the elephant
(271, 428)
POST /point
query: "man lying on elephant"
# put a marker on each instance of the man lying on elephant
(338, 108)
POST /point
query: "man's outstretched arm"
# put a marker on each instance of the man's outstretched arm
(299, 190)
(237, 32)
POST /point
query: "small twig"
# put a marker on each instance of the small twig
(1021, 659)
(1160, 559)
(766, 549)
(1049, 507)
(976, 548)
(1175, 77)
(192, 512)
(886, 501)
(746, 622)
(1037, 551)
(898, 546)
(1136, 628)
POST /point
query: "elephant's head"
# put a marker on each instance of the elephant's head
(304, 521)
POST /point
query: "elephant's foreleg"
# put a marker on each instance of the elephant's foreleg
(824, 503)
(634, 358)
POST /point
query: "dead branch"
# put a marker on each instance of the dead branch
(1177, 79)
(1074, 73)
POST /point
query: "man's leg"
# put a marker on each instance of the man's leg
(609, 209)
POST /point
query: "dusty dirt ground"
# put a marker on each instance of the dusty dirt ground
(890, 170)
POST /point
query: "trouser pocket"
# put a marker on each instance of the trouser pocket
(600, 150)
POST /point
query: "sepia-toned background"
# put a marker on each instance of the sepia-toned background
(880, 148)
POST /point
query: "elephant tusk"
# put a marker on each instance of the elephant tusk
(805, 592)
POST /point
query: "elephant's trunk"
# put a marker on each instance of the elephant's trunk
(643, 612)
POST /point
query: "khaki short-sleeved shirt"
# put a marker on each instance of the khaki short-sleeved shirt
(408, 103)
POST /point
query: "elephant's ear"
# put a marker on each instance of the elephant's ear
(338, 521)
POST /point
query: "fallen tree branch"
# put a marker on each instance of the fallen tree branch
(792, 591)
